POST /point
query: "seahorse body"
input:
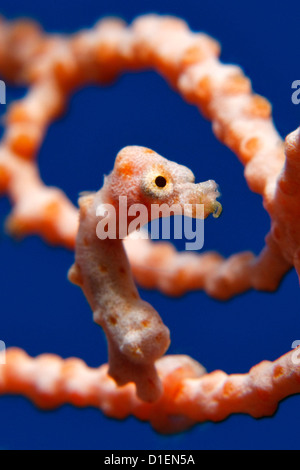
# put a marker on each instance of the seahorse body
(135, 332)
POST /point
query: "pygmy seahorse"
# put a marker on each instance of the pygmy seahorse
(135, 332)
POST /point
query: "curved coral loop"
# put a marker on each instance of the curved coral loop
(54, 66)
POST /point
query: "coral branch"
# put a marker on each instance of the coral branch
(284, 209)
(189, 394)
(160, 266)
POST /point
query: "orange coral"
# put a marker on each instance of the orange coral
(53, 67)
(189, 394)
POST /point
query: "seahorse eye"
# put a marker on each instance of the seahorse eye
(160, 181)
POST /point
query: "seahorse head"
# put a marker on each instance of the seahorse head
(147, 178)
